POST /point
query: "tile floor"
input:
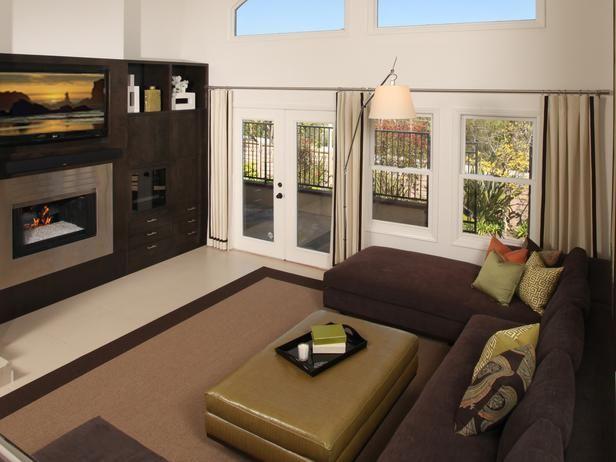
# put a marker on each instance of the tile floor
(45, 340)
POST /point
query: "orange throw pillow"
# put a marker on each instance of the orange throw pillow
(513, 256)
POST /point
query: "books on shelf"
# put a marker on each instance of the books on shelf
(329, 339)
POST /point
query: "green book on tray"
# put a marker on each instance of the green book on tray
(328, 334)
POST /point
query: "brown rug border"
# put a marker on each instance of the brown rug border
(44, 385)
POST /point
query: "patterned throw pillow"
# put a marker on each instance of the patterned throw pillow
(498, 388)
(504, 340)
(538, 283)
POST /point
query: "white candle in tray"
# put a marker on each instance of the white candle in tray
(303, 349)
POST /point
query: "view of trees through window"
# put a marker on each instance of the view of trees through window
(497, 176)
(401, 171)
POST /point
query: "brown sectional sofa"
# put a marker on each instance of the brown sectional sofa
(435, 294)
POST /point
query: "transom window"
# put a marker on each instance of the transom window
(401, 13)
(497, 176)
(261, 17)
(401, 171)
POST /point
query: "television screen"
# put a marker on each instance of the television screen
(46, 106)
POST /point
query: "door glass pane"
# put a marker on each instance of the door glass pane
(315, 168)
(258, 174)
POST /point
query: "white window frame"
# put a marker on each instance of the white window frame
(421, 233)
(538, 23)
(481, 242)
(284, 35)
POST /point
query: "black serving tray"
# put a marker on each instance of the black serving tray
(318, 363)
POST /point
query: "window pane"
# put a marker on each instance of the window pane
(257, 148)
(315, 167)
(501, 148)
(256, 17)
(400, 197)
(392, 13)
(403, 144)
(494, 208)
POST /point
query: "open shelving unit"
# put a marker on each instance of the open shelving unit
(158, 74)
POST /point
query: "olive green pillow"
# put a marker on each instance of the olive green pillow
(538, 283)
(499, 279)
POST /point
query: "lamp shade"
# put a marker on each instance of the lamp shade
(392, 102)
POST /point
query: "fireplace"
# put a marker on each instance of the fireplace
(52, 221)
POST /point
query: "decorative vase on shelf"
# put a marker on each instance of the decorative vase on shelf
(133, 95)
(152, 99)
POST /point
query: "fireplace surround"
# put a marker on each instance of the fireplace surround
(52, 221)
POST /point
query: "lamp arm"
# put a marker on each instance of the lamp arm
(361, 113)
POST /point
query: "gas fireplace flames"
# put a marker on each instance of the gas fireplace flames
(44, 218)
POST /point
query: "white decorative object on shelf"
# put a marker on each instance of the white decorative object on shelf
(179, 85)
(133, 95)
(183, 101)
(6, 373)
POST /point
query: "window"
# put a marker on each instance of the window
(497, 176)
(401, 171)
(400, 13)
(259, 17)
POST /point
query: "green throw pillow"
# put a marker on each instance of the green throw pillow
(499, 279)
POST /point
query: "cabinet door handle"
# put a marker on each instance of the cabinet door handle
(192, 233)
(191, 209)
(152, 247)
(152, 220)
(153, 233)
(190, 222)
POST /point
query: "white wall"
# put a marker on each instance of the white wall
(88, 28)
(6, 26)
(573, 51)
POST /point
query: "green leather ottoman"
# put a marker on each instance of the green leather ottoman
(271, 410)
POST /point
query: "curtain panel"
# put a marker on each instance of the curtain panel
(347, 206)
(569, 197)
(221, 136)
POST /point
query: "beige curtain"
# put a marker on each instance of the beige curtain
(348, 203)
(221, 123)
(569, 215)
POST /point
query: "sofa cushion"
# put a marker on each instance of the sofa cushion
(434, 285)
(573, 285)
(551, 396)
(498, 388)
(514, 256)
(540, 443)
(504, 340)
(427, 432)
(499, 278)
(564, 332)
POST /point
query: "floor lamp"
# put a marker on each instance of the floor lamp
(389, 102)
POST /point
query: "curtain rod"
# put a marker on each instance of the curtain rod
(422, 90)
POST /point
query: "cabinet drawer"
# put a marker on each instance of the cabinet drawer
(149, 236)
(148, 222)
(149, 254)
(187, 241)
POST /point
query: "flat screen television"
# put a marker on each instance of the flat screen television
(48, 105)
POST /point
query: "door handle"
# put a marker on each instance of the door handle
(279, 196)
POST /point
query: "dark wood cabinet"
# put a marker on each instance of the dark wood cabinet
(148, 139)
(177, 142)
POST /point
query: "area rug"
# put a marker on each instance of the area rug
(151, 382)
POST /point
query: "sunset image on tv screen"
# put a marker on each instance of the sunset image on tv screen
(38, 104)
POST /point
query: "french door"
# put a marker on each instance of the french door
(283, 184)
